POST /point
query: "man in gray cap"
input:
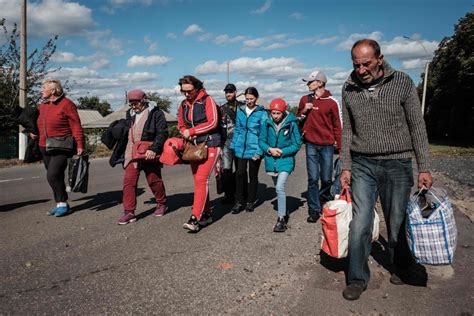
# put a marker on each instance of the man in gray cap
(228, 111)
(321, 129)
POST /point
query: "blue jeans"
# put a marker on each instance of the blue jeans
(319, 160)
(280, 183)
(227, 157)
(391, 180)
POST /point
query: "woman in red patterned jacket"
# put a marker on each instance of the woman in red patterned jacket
(198, 120)
(58, 117)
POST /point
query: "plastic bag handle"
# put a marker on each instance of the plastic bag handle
(345, 195)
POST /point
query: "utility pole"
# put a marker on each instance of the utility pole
(22, 138)
(425, 80)
(228, 71)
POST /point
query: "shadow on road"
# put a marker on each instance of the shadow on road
(101, 201)
(292, 204)
(417, 276)
(13, 206)
(176, 201)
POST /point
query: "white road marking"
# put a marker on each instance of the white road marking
(8, 180)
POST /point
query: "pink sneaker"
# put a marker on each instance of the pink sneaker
(160, 210)
(126, 218)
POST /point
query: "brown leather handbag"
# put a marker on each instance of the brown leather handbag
(195, 152)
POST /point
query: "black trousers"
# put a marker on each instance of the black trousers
(246, 188)
(56, 164)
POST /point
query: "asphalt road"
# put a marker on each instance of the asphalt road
(86, 264)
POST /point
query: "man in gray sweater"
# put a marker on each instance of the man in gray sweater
(383, 128)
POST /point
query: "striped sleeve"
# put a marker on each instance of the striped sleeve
(212, 119)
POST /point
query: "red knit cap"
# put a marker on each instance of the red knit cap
(278, 104)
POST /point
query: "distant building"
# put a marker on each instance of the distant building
(104, 122)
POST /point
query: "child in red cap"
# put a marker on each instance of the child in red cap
(280, 140)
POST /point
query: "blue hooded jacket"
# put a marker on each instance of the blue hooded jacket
(288, 139)
(245, 139)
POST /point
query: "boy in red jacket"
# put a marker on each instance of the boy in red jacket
(319, 114)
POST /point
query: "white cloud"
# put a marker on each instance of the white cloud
(257, 42)
(403, 48)
(192, 29)
(100, 63)
(72, 73)
(225, 39)
(276, 41)
(155, 60)
(327, 40)
(63, 57)
(97, 61)
(297, 16)
(348, 42)
(264, 8)
(205, 37)
(171, 35)
(414, 64)
(115, 46)
(120, 3)
(152, 46)
(281, 67)
(138, 77)
(43, 17)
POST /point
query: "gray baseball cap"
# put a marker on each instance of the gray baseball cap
(316, 75)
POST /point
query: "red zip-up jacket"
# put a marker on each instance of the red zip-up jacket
(211, 115)
(322, 125)
(59, 118)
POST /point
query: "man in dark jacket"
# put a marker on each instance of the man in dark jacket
(228, 111)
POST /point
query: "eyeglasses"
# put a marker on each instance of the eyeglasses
(134, 103)
(188, 91)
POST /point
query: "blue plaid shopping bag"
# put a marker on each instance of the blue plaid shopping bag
(432, 238)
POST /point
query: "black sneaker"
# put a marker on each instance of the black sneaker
(206, 219)
(237, 208)
(192, 224)
(280, 225)
(250, 207)
(286, 218)
(313, 218)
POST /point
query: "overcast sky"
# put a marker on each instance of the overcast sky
(108, 47)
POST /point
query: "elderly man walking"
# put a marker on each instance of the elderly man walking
(383, 128)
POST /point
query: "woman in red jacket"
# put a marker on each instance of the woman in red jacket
(58, 117)
(198, 120)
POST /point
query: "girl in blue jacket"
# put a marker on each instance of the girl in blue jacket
(247, 152)
(280, 140)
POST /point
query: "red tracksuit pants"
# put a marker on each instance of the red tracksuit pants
(201, 174)
(130, 181)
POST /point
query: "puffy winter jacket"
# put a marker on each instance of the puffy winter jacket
(246, 132)
(287, 138)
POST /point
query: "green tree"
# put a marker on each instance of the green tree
(163, 103)
(37, 70)
(450, 90)
(94, 103)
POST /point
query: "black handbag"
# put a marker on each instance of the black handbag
(58, 143)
